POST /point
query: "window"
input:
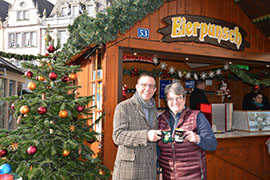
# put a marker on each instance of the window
(18, 39)
(62, 35)
(22, 15)
(2, 103)
(96, 89)
(29, 39)
(91, 10)
(11, 40)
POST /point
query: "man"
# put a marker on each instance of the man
(135, 132)
(198, 96)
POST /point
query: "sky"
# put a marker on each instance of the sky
(11, 1)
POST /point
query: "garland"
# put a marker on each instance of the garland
(118, 18)
(246, 78)
(20, 57)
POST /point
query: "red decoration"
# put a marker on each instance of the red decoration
(134, 72)
(51, 49)
(52, 75)
(3, 152)
(46, 54)
(12, 106)
(124, 90)
(42, 110)
(28, 74)
(32, 150)
(80, 108)
(65, 79)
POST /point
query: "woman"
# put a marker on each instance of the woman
(183, 160)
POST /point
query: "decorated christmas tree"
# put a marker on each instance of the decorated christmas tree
(54, 126)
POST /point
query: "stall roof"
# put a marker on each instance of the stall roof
(259, 13)
(10, 66)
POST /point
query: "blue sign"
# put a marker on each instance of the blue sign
(163, 84)
(143, 33)
(190, 83)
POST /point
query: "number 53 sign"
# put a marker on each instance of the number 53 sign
(143, 33)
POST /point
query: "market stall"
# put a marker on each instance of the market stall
(185, 40)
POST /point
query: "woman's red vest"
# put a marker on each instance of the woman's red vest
(185, 161)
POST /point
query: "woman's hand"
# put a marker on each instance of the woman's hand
(192, 137)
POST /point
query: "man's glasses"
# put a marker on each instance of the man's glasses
(151, 86)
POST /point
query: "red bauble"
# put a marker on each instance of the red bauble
(80, 108)
(65, 79)
(3, 152)
(52, 75)
(42, 110)
(32, 150)
(51, 49)
(28, 74)
(12, 106)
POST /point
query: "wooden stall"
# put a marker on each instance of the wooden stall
(11, 83)
(110, 71)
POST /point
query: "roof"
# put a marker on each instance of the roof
(3, 9)
(44, 5)
(259, 13)
(10, 66)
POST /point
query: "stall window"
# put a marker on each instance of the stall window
(2, 103)
(96, 89)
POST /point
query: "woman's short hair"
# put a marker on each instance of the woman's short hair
(176, 88)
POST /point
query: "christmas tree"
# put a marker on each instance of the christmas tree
(54, 125)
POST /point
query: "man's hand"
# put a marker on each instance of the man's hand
(153, 135)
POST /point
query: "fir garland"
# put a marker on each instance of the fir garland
(246, 78)
(118, 18)
(24, 57)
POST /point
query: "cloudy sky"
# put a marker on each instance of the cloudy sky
(11, 1)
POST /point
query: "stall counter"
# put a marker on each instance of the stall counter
(239, 155)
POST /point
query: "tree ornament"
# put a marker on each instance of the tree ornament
(14, 146)
(53, 76)
(72, 128)
(211, 74)
(163, 66)
(195, 76)
(31, 86)
(46, 54)
(32, 150)
(80, 108)
(51, 49)
(12, 106)
(124, 90)
(203, 75)
(19, 119)
(24, 109)
(218, 72)
(51, 131)
(41, 78)
(28, 74)
(180, 74)
(65, 79)
(188, 75)
(72, 76)
(5, 169)
(155, 60)
(226, 66)
(66, 152)
(3, 152)
(42, 110)
(43, 97)
(171, 70)
(63, 113)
